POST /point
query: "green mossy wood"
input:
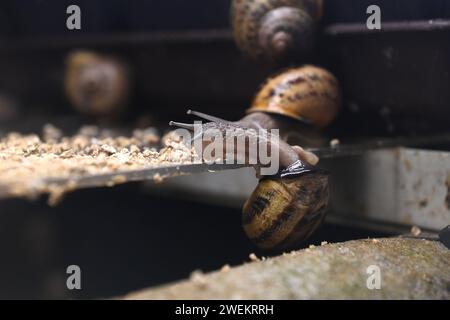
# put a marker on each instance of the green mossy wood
(410, 269)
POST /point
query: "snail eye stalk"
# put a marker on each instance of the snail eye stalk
(206, 116)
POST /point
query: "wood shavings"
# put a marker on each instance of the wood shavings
(147, 136)
(57, 192)
(51, 134)
(307, 156)
(157, 178)
(225, 268)
(253, 257)
(198, 278)
(411, 269)
(28, 162)
(416, 231)
(117, 179)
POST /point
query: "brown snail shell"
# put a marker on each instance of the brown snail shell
(310, 94)
(282, 212)
(273, 30)
(96, 84)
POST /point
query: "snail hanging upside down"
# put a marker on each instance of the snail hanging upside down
(285, 208)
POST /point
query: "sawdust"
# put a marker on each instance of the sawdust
(29, 162)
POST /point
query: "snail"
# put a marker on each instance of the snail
(274, 30)
(95, 84)
(296, 101)
(287, 207)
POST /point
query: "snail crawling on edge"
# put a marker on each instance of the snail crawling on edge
(275, 30)
(95, 84)
(286, 208)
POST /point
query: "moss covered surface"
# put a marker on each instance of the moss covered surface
(409, 268)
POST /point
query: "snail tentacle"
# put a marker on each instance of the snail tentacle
(206, 116)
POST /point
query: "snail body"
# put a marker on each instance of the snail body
(95, 84)
(273, 30)
(285, 208)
